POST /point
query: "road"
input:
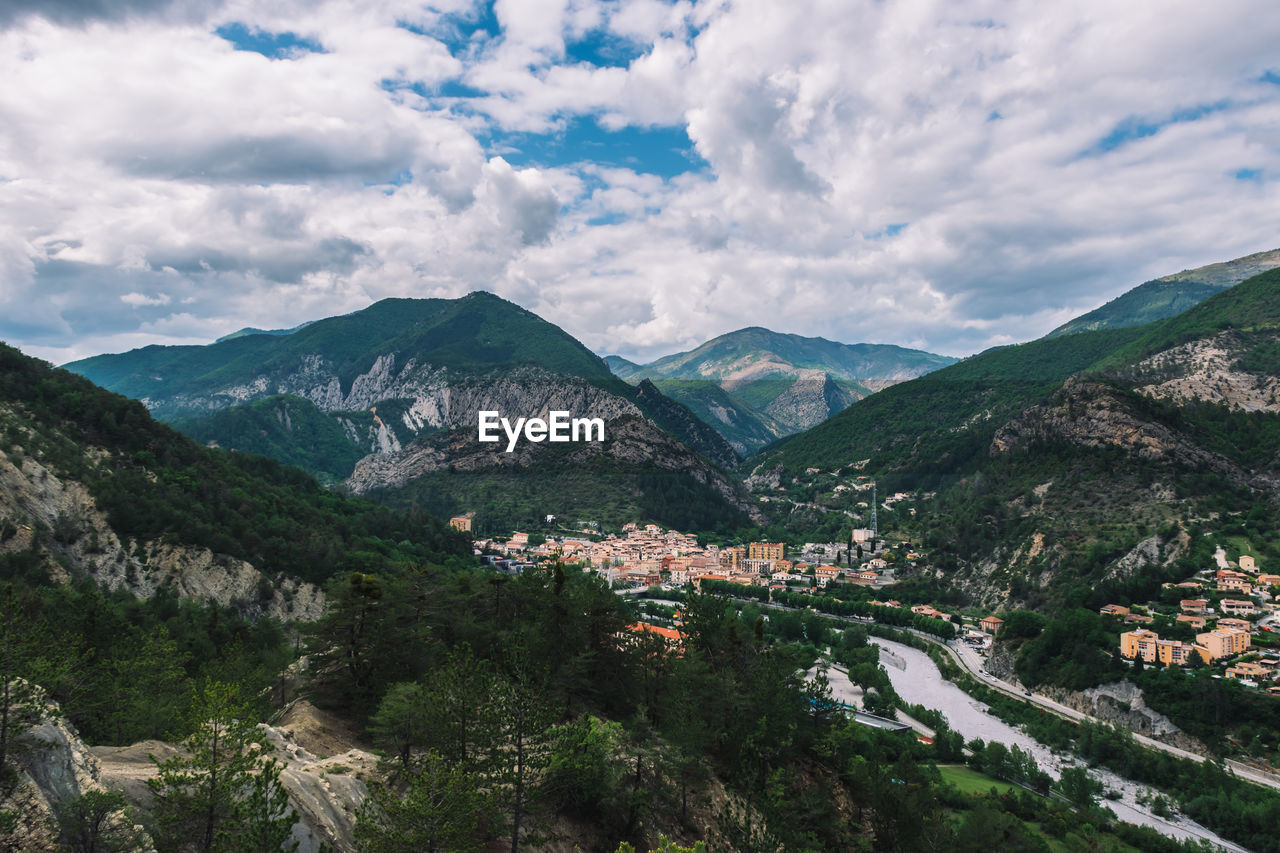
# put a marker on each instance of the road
(972, 663)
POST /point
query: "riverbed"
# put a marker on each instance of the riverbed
(917, 680)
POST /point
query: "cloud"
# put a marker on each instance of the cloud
(79, 12)
(948, 175)
(139, 299)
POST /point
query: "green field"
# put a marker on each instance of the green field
(971, 781)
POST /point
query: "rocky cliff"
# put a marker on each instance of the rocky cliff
(54, 768)
(58, 518)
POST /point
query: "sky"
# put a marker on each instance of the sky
(943, 174)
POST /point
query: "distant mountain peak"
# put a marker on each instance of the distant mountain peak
(1170, 295)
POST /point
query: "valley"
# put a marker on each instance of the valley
(605, 642)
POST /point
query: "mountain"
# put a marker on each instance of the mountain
(621, 367)
(1075, 468)
(1170, 295)
(405, 380)
(743, 427)
(92, 487)
(779, 384)
(249, 330)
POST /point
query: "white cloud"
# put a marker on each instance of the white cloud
(922, 172)
(139, 299)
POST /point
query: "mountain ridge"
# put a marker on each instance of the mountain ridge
(397, 373)
(1170, 295)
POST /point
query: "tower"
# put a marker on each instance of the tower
(875, 530)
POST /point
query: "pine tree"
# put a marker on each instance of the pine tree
(224, 786)
(435, 808)
(264, 819)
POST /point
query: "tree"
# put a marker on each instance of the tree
(264, 819)
(99, 822)
(214, 797)
(143, 687)
(437, 808)
(403, 721)
(581, 775)
(1079, 787)
(525, 718)
(21, 702)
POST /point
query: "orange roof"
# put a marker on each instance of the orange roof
(668, 633)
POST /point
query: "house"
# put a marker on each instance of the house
(1235, 584)
(1140, 618)
(1249, 672)
(1237, 607)
(1247, 563)
(992, 624)
(1114, 610)
(1194, 606)
(1196, 622)
(1238, 624)
(671, 635)
(1223, 642)
(1148, 646)
(461, 522)
(1139, 643)
(930, 611)
(826, 574)
(732, 558)
(1268, 580)
(764, 550)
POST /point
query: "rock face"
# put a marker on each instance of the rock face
(1121, 703)
(325, 791)
(55, 767)
(1093, 414)
(810, 400)
(82, 541)
(1208, 370)
(324, 773)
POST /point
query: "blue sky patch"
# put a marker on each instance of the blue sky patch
(462, 31)
(891, 230)
(663, 151)
(270, 45)
(1271, 76)
(1248, 175)
(604, 50)
(1136, 127)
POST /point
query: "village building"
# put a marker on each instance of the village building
(1223, 642)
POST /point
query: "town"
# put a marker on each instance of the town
(1227, 623)
(647, 556)
(1230, 610)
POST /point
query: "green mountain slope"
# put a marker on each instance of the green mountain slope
(1170, 295)
(377, 381)
(151, 484)
(755, 351)
(288, 429)
(743, 427)
(1076, 468)
(943, 421)
(470, 335)
(621, 367)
